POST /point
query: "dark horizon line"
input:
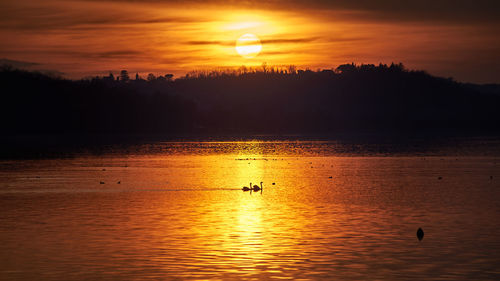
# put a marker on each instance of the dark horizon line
(222, 70)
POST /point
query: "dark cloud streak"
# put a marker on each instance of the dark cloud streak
(277, 41)
(264, 41)
(453, 11)
(83, 22)
(115, 54)
(42, 17)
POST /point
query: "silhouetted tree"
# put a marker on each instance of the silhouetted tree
(124, 76)
(344, 68)
(109, 78)
(151, 77)
(169, 77)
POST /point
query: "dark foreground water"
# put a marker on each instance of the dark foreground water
(176, 211)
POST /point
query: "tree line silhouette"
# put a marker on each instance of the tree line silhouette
(266, 100)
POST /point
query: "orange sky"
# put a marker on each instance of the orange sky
(79, 38)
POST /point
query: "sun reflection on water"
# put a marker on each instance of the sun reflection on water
(183, 216)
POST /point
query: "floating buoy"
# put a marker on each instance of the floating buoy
(420, 234)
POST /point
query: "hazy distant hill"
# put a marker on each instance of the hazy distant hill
(366, 98)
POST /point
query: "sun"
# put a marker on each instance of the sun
(248, 46)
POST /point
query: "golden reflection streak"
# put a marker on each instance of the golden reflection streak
(248, 224)
(254, 233)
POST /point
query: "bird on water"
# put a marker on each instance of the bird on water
(420, 234)
(246, 188)
(256, 187)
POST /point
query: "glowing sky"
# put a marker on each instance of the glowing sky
(79, 38)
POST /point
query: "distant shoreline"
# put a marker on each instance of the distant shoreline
(42, 115)
(63, 146)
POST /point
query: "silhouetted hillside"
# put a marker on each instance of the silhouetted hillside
(364, 98)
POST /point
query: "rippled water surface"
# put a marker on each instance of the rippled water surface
(176, 211)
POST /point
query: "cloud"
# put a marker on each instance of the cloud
(50, 15)
(212, 42)
(289, 40)
(116, 54)
(85, 35)
(55, 15)
(264, 41)
(83, 22)
(279, 41)
(457, 11)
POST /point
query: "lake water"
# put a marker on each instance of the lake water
(327, 211)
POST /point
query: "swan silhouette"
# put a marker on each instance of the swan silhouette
(257, 188)
(246, 188)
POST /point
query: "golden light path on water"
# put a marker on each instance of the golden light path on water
(179, 213)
